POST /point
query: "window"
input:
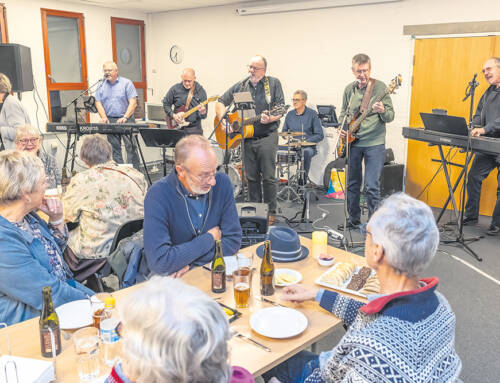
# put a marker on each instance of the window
(129, 54)
(4, 36)
(65, 63)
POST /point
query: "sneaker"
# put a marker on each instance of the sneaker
(493, 230)
(350, 225)
(470, 221)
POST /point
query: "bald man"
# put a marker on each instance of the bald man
(184, 96)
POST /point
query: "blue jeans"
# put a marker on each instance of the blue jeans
(373, 157)
(294, 370)
(481, 167)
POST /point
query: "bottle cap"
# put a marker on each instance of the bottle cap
(109, 302)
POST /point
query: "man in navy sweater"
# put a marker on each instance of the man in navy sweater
(187, 211)
(305, 120)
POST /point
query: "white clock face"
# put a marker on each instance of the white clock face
(176, 54)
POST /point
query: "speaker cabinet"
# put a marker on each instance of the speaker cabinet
(391, 180)
(15, 63)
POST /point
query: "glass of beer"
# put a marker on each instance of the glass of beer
(241, 283)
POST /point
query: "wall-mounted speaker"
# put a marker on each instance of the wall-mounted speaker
(15, 63)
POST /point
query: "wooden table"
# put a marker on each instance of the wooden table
(25, 339)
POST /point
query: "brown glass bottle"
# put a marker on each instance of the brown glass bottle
(267, 271)
(218, 269)
(49, 319)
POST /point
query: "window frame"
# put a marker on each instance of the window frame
(3, 24)
(53, 86)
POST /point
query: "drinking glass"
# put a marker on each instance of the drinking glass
(241, 283)
(86, 342)
(244, 260)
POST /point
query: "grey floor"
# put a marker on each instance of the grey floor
(474, 297)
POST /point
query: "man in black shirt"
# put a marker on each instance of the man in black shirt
(488, 117)
(260, 150)
(175, 102)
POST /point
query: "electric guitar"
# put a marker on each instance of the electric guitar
(240, 129)
(351, 137)
(172, 124)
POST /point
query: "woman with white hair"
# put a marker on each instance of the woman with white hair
(407, 332)
(172, 332)
(30, 249)
(28, 139)
(12, 113)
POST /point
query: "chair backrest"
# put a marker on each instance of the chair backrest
(126, 230)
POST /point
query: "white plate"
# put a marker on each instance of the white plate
(278, 322)
(76, 314)
(293, 273)
(346, 282)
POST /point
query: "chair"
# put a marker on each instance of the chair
(126, 230)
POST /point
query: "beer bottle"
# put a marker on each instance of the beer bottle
(267, 271)
(218, 269)
(49, 319)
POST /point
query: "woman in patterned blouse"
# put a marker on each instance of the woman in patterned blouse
(30, 249)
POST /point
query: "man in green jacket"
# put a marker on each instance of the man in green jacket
(370, 145)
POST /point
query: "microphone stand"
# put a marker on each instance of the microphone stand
(469, 92)
(225, 162)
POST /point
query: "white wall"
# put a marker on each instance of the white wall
(308, 50)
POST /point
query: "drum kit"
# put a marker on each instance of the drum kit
(289, 159)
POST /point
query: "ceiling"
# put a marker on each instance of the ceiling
(159, 5)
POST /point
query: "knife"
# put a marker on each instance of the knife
(240, 335)
(260, 298)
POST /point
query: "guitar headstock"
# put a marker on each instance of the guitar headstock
(279, 110)
(394, 84)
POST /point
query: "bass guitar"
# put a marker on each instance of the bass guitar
(172, 124)
(239, 129)
(351, 137)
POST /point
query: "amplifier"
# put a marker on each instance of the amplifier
(254, 222)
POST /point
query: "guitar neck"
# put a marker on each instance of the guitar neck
(355, 126)
(195, 109)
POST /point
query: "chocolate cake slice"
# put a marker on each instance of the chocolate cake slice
(358, 280)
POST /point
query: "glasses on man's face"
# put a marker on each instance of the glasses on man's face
(255, 68)
(297, 99)
(204, 177)
(26, 141)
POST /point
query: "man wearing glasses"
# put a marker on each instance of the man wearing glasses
(304, 120)
(183, 96)
(370, 147)
(260, 150)
(116, 100)
(187, 211)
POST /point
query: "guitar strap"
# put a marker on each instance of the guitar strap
(190, 96)
(368, 95)
(267, 90)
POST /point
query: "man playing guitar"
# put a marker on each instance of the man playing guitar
(370, 145)
(183, 96)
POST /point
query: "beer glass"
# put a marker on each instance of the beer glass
(87, 353)
(241, 283)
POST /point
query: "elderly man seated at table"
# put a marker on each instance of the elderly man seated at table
(407, 332)
(172, 332)
(28, 139)
(187, 211)
(101, 199)
(30, 249)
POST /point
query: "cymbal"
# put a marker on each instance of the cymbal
(291, 134)
(297, 144)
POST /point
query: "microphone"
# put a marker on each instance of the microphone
(471, 87)
(104, 78)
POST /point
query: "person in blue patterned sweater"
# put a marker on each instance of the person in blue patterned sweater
(404, 334)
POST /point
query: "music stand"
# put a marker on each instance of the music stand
(161, 138)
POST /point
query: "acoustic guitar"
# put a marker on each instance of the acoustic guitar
(172, 124)
(240, 129)
(351, 137)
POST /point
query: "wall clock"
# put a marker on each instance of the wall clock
(176, 54)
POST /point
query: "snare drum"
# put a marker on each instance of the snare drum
(285, 157)
(234, 174)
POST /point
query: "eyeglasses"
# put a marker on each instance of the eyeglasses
(297, 99)
(202, 177)
(25, 141)
(254, 67)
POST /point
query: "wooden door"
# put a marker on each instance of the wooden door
(442, 69)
